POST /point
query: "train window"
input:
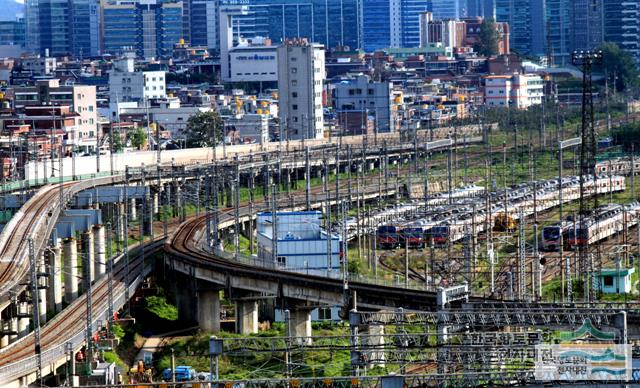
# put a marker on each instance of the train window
(324, 314)
(608, 281)
(282, 261)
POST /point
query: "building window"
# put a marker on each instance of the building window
(294, 83)
(293, 59)
(90, 108)
(294, 94)
(294, 70)
(608, 281)
(282, 261)
(90, 121)
(352, 92)
(79, 96)
(294, 106)
(295, 119)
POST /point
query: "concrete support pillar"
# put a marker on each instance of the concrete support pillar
(177, 200)
(147, 220)
(54, 292)
(70, 270)
(89, 253)
(42, 291)
(133, 211)
(300, 323)
(13, 326)
(100, 250)
(156, 203)
(119, 221)
(376, 339)
(4, 338)
(23, 326)
(287, 177)
(209, 311)
(246, 316)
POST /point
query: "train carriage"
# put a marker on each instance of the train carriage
(388, 236)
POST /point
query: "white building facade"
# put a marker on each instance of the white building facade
(301, 75)
(126, 84)
(519, 91)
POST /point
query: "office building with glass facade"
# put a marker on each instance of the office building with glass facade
(329, 22)
(12, 32)
(527, 24)
(149, 29)
(622, 25)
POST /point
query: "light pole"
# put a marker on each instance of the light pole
(215, 350)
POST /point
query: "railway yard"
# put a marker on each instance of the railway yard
(446, 259)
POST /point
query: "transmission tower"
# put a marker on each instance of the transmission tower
(586, 60)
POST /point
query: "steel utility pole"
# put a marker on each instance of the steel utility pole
(586, 60)
(35, 300)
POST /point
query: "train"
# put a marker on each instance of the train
(388, 236)
(618, 166)
(413, 236)
(607, 221)
(552, 235)
(452, 224)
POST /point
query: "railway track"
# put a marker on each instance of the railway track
(59, 328)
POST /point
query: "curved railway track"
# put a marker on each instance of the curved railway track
(61, 327)
(183, 242)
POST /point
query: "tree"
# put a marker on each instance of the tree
(138, 138)
(116, 144)
(204, 129)
(487, 45)
(619, 67)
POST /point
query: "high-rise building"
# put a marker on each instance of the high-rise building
(481, 8)
(329, 22)
(448, 9)
(587, 28)
(203, 23)
(63, 27)
(150, 28)
(393, 23)
(85, 28)
(558, 28)
(300, 88)
(32, 25)
(54, 27)
(527, 25)
(12, 32)
(622, 25)
(377, 24)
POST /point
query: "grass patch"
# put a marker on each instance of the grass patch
(159, 306)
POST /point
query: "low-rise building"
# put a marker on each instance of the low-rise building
(128, 85)
(80, 98)
(361, 94)
(301, 243)
(616, 281)
(519, 91)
